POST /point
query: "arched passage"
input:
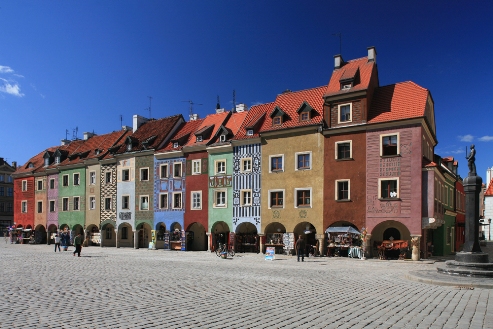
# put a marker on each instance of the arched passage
(108, 236)
(40, 234)
(196, 237)
(246, 239)
(389, 230)
(144, 235)
(93, 236)
(160, 233)
(309, 232)
(125, 236)
(220, 234)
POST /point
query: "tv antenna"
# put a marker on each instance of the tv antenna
(74, 135)
(234, 101)
(340, 41)
(66, 134)
(191, 106)
(121, 120)
(149, 108)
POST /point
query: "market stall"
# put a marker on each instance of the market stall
(343, 241)
(389, 247)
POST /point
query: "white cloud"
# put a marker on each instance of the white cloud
(6, 69)
(466, 138)
(11, 89)
(485, 139)
(459, 151)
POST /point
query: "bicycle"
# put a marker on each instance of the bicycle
(224, 248)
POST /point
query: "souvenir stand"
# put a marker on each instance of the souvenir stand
(343, 242)
(275, 240)
(175, 239)
(246, 242)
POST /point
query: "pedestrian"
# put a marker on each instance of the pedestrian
(300, 248)
(77, 244)
(57, 242)
(6, 236)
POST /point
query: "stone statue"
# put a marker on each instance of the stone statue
(470, 161)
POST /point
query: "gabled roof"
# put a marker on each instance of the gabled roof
(183, 135)
(489, 190)
(254, 120)
(349, 71)
(211, 122)
(290, 102)
(404, 100)
(37, 161)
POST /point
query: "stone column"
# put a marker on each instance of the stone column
(47, 238)
(415, 244)
(116, 238)
(320, 238)
(101, 238)
(208, 241)
(367, 247)
(136, 239)
(261, 242)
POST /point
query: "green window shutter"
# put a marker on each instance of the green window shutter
(189, 167)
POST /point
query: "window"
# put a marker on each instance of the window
(199, 139)
(342, 190)
(389, 145)
(344, 150)
(303, 161)
(124, 233)
(276, 199)
(246, 197)
(276, 163)
(144, 174)
(246, 165)
(303, 198)
(108, 233)
(52, 184)
(10, 191)
(163, 201)
(144, 202)
(52, 205)
(163, 171)
(9, 179)
(196, 200)
(389, 188)
(24, 206)
(249, 132)
(304, 116)
(24, 185)
(2, 207)
(76, 203)
(9, 207)
(107, 177)
(57, 160)
(125, 202)
(40, 207)
(2, 177)
(107, 204)
(222, 138)
(175, 144)
(65, 204)
(39, 184)
(344, 113)
(65, 180)
(220, 166)
(2, 190)
(219, 198)
(126, 175)
(177, 200)
(92, 178)
(76, 179)
(196, 167)
(277, 121)
(177, 169)
(92, 203)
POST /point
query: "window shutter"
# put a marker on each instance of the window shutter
(189, 167)
(205, 166)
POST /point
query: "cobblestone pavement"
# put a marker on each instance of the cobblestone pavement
(127, 288)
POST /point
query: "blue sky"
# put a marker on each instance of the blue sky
(81, 64)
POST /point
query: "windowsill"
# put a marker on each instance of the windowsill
(303, 169)
(390, 156)
(345, 159)
(276, 207)
(389, 199)
(276, 171)
(344, 200)
(245, 205)
(220, 207)
(303, 206)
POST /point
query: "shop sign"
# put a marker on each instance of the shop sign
(270, 253)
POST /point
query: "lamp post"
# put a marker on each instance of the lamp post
(489, 229)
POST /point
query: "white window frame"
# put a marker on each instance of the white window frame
(108, 174)
(24, 206)
(215, 194)
(222, 138)
(380, 187)
(65, 200)
(92, 202)
(165, 206)
(350, 112)
(296, 197)
(110, 204)
(242, 164)
(123, 175)
(52, 202)
(336, 144)
(76, 205)
(398, 143)
(24, 185)
(173, 200)
(37, 207)
(142, 199)
(269, 192)
(296, 160)
(193, 205)
(336, 186)
(216, 169)
(142, 170)
(199, 138)
(249, 132)
(92, 178)
(242, 198)
(76, 174)
(63, 180)
(166, 171)
(174, 169)
(127, 198)
(176, 144)
(196, 164)
(270, 163)
(37, 185)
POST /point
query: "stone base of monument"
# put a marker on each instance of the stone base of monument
(471, 264)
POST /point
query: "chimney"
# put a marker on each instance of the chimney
(138, 121)
(372, 54)
(65, 142)
(241, 107)
(14, 164)
(194, 117)
(1, 162)
(88, 135)
(338, 61)
(126, 128)
(220, 110)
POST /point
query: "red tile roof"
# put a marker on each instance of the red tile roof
(212, 120)
(37, 161)
(349, 70)
(254, 120)
(489, 190)
(399, 101)
(186, 131)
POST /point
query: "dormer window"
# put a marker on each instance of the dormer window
(97, 151)
(249, 132)
(47, 161)
(304, 116)
(175, 145)
(344, 113)
(57, 160)
(129, 147)
(277, 121)
(346, 86)
(199, 139)
(30, 165)
(222, 138)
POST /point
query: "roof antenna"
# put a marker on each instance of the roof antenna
(66, 134)
(340, 41)
(234, 101)
(121, 120)
(149, 108)
(218, 105)
(191, 107)
(74, 135)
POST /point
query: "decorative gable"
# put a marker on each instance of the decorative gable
(223, 133)
(204, 133)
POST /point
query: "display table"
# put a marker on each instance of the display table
(355, 252)
(278, 247)
(387, 245)
(175, 245)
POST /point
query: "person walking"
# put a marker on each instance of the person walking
(300, 248)
(77, 244)
(6, 236)
(57, 242)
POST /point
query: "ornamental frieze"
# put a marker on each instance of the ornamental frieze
(221, 181)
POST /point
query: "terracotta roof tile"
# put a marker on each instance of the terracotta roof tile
(215, 120)
(399, 101)
(187, 131)
(489, 190)
(254, 120)
(349, 70)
